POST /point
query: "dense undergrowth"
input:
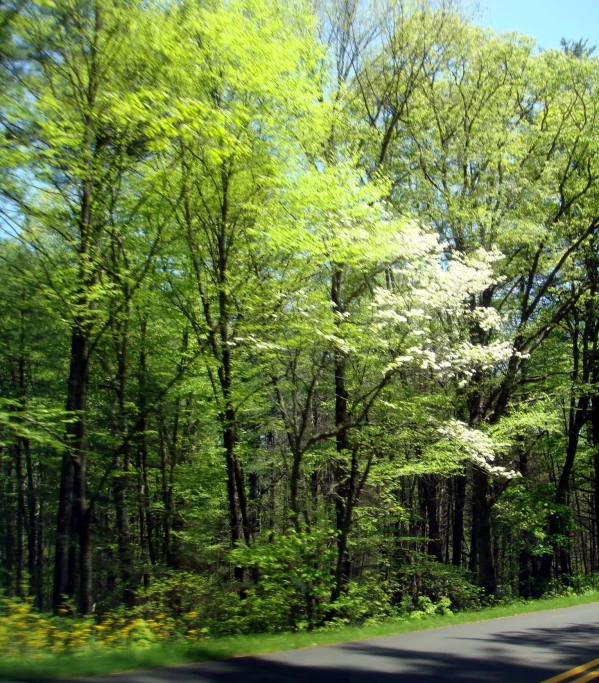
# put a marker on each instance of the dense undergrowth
(183, 609)
(27, 632)
(290, 592)
(131, 648)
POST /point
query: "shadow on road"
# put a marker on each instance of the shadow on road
(512, 656)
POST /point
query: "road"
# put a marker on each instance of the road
(530, 648)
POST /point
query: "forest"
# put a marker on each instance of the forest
(299, 312)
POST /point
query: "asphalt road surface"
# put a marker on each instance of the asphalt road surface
(530, 648)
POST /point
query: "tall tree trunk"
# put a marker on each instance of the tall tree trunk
(20, 556)
(166, 500)
(355, 487)
(487, 577)
(32, 523)
(218, 317)
(431, 490)
(85, 547)
(146, 504)
(72, 518)
(126, 555)
(39, 557)
(482, 498)
(62, 557)
(142, 464)
(556, 521)
(577, 416)
(342, 480)
(21, 452)
(526, 581)
(595, 439)
(473, 555)
(458, 520)
(294, 478)
(122, 465)
(8, 555)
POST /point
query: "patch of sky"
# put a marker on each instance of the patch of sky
(546, 20)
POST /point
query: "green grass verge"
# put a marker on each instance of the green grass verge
(167, 654)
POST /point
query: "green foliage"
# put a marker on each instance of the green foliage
(424, 577)
(294, 581)
(426, 608)
(25, 632)
(287, 325)
(524, 513)
(189, 600)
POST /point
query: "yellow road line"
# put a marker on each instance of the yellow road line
(572, 672)
(588, 677)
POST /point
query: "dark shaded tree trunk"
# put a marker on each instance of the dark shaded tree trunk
(527, 581)
(8, 556)
(32, 524)
(20, 554)
(166, 498)
(472, 557)
(355, 487)
(146, 520)
(72, 518)
(126, 555)
(458, 520)
(577, 417)
(557, 523)
(487, 577)
(218, 315)
(430, 490)
(39, 556)
(595, 439)
(122, 461)
(342, 483)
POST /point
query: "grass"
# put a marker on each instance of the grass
(168, 654)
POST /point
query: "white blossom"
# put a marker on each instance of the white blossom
(476, 446)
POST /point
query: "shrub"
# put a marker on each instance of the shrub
(427, 577)
(25, 632)
(294, 581)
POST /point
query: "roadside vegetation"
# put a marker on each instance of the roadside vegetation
(299, 322)
(46, 649)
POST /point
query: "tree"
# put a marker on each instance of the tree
(89, 129)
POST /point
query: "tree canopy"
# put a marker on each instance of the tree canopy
(299, 310)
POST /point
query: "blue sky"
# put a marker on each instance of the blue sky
(547, 20)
